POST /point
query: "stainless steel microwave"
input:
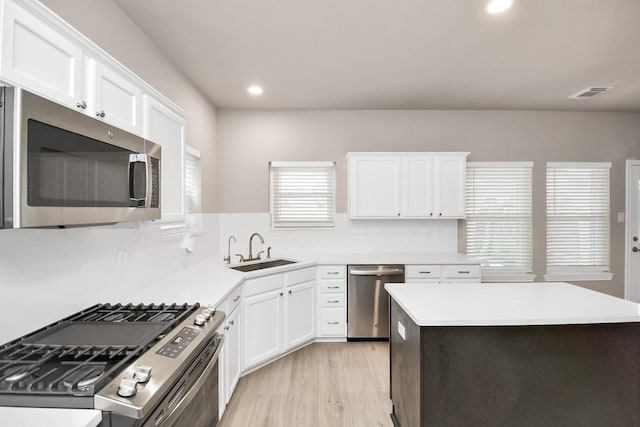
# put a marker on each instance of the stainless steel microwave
(62, 168)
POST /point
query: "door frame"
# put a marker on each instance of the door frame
(627, 227)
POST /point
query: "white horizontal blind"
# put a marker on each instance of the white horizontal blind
(193, 180)
(302, 194)
(498, 210)
(578, 216)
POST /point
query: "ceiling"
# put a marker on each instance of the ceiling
(401, 54)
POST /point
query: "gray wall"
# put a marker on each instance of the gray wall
(247, 140)
(103, 22)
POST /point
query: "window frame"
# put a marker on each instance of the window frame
(329, 221)
(497, 273)
(579, 273)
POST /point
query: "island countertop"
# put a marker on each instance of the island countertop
(495, 304)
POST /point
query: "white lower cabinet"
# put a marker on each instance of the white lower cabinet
(446, 273)
(233, 341)
(332, 312)
(279, 314)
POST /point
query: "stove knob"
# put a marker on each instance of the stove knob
(142, 373)
(200, 319)
(128, 387)
(211, 308)
(206, 313)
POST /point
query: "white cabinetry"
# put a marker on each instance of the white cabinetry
(407, 185)
(117, 100)
(332, 313)
(165, 127)
(230, 362)
(442, 273)
(37, 56)
(278, 314)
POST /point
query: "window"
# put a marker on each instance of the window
(578, 221)
(498, 219)
(302, 194)
(193, 189)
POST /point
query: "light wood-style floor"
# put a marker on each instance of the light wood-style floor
(321, 385)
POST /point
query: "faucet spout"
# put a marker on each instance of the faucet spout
(251, 242)
(228, 257)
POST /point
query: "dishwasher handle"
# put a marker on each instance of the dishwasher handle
(376, 271)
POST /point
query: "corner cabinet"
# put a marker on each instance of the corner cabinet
(279, 314)
(407, 185)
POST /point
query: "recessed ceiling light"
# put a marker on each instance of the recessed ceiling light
(255, 90)
(498, 6)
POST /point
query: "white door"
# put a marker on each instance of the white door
(632, 240)
(117, 100)
(263, 327)
(374, 187)
(449, 186)
(417, 187)
(232, 341)
(299, 312)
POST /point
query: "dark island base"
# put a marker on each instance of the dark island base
(556, 375)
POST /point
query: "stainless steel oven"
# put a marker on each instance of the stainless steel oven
(62, 167)
(141, 365)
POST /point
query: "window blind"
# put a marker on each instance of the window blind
(578, 216)
(193, 179)
(498, 215)
(302, 194)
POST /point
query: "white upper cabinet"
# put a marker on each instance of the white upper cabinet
(165, 127)
(407, 185)
(38, 57)
(117, 100)
(374, 186)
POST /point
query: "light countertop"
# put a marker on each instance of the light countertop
(395, 258)
(495, 304)
(50, 417)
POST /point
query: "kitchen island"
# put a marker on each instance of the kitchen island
(549, 354)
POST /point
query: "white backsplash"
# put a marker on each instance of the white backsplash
(47, 274)
(348, 236)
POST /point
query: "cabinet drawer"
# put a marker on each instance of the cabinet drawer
(234, 299)
(332, 300)
(300, 276)
(263, 284)
(332, 272)
(460, 271)
(422, 271)
(332, 286)
(332, 322)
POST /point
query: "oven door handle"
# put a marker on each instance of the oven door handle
(171, 419)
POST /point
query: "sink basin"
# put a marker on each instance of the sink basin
(262, 265)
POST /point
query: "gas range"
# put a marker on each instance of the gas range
(124, 359)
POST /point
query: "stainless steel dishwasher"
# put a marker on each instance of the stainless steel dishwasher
(368, 301)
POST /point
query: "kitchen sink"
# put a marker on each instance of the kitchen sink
(262, 265)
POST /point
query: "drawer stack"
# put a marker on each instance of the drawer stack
(332, 313)
(445, 273)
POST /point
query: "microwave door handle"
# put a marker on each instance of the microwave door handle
(133, 159)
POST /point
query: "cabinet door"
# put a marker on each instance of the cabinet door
(232, 340)
(262, 327)
(117, 100)
(417, 187)
(164, 127)
(374, 187)
(299, 314)
(449, 185)
(39, 58)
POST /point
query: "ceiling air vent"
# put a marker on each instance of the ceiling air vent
(590, 92)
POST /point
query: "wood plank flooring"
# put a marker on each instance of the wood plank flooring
(321, 385)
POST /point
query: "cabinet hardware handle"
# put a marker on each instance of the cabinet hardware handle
(333, 323)
(463, 272)
(100, 113)
(424, 272)
(236, 298)
(333, 302)
(281, 294)
(333, 272)
(333, 287)
(431, 214)
(440, 214)
(231, 322)
(398, 213)
(289, 292)
(82, 104)
(226, 328)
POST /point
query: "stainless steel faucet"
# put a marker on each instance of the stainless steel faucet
(251, 249)
(228, 257)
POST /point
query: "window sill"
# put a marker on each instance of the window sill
(578, 276)
(506, 276)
